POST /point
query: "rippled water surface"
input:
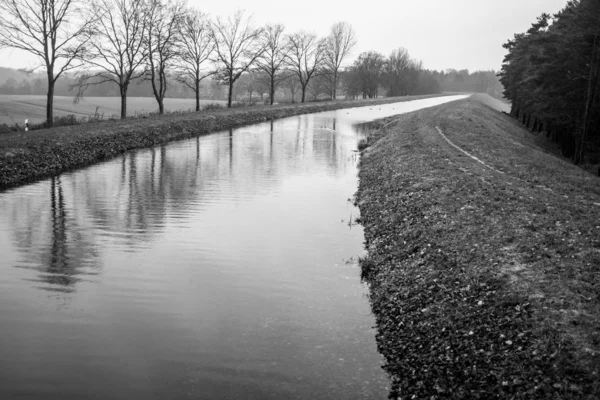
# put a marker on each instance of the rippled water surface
(220, 267)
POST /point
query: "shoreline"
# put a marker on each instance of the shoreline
(483, 258)
(26, 157)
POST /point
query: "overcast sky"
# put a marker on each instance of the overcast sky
(442, 33)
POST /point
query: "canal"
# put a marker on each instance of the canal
(219, 267)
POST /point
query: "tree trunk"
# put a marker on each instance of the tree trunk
(197, 94)
(335, 78)
(304, 92)
(230, 93)
(591, 94)
(272, 89)
(163, 91)
(158, 92)
(123, 102)
(50, 101)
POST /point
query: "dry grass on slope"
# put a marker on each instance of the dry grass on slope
(484, 275)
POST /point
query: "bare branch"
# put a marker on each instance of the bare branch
(274, 56)
(237, 46)
(338, 45)
(196, 46)
(305, 57)
(117, 47)
(164, 20)
(56, 31)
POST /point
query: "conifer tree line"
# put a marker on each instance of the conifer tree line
(550, 75)
(166, 45)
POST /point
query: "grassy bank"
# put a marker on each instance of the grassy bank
(483, 259)
(27, 156)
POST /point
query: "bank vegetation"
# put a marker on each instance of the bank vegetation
(483, 258)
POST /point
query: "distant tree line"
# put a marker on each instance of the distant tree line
(165, 48)
(550, 75)
(452, 80)
(254, 85)
(68, 85)
(373, 74)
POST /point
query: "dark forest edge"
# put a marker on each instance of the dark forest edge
(29, 156)
(550, 76)
(483, 281)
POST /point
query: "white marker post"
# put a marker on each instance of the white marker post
(26, 125)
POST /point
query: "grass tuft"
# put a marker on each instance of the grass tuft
(362, 144)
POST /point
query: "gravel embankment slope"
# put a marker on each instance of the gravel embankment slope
(27, 156)
(483, 259)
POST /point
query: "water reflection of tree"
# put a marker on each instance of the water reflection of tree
(60, 249)
(315, 142)
(130, 201)
(133, 200)
(58, 267)
(332, 143)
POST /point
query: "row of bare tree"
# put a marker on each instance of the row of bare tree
(120, 41)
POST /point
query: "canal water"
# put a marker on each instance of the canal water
(219, 267)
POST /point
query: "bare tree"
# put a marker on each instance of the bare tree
(290, 82)
(117, 46)
(338, 45)
(304, 57)
(248, 84)
(274, 56)
(163, 26)
(263, 84)
(395, 72)
(254, 81)
(196, 47)
(237, 47)
(365, 75)
(56, 31)
(319, 85)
